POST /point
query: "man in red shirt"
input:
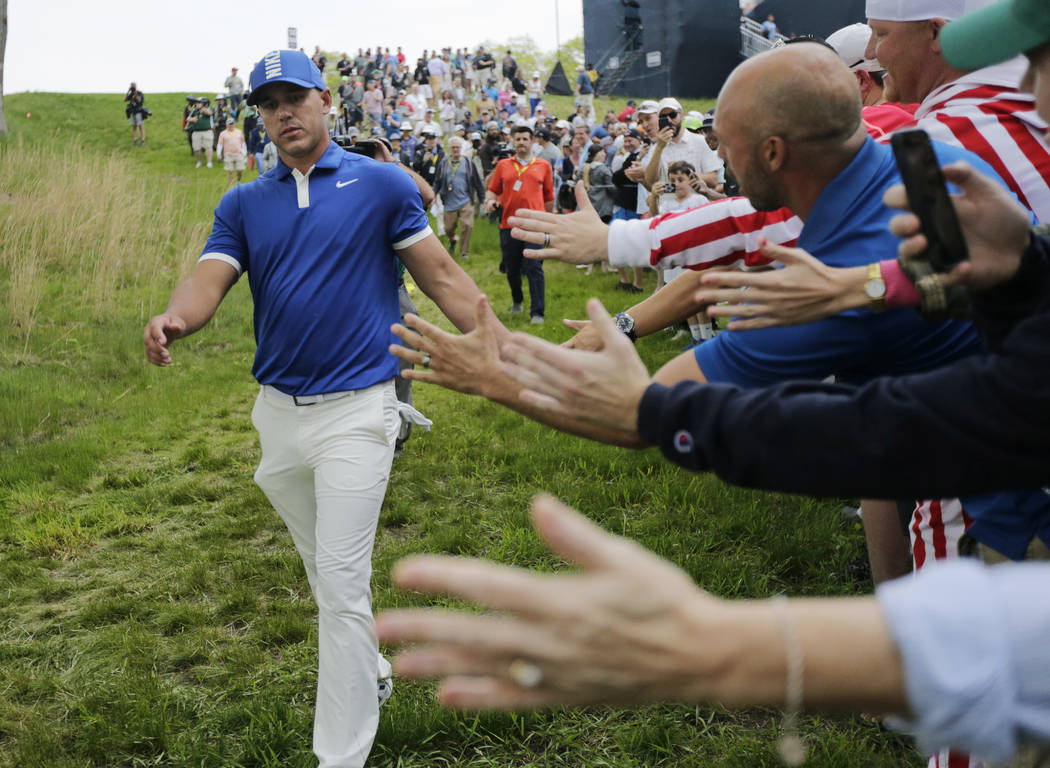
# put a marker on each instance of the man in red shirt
(521, 182)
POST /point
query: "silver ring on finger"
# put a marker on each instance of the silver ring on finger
(426, 360)
(744, 288)
(546, 239)
(525, 673)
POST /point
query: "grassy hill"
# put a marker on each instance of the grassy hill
(155, 612)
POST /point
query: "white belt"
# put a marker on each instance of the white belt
(307, 399)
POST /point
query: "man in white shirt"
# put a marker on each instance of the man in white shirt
(673, 143)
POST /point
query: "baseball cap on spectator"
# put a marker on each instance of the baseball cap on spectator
(491, 124)
(220, 96)
(709, 120)
(506, 128)
(401, 92)
(475, 136)
(344, 79)
(284, 66)
(630, 102)
(563, 124)
(544, 134)
(850, 43)
(406, 127)
(649, 107)
(669, 103)
(429, 111)
(377, 131)
(693, 123)
(352, 131)
(996, 33)
(634, 134)
(920, 10)
(428, 130)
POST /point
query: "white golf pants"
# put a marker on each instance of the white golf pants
(325, 469)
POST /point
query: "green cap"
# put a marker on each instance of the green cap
(693, 123)
(996, 33)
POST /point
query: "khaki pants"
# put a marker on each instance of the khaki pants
(1037, 550)
(465, 217)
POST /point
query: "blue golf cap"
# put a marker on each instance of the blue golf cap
(285, 66)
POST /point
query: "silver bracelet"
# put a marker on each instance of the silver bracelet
(790, 746)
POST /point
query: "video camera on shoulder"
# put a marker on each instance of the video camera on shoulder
(504, 150)
(366, 147)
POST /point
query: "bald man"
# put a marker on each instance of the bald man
(790, 129)
(982, 110)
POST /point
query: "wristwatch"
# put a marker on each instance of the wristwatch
(875, 287)
(625, 324)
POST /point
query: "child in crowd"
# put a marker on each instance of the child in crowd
(684, 182)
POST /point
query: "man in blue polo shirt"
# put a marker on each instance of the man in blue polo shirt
(319, 237)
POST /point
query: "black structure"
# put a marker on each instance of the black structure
(696, 41)
(558, 83)
(810, 17)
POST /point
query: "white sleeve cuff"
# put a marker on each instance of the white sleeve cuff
(413, 239)
(951, 628)
(628, 243)
(216, 256)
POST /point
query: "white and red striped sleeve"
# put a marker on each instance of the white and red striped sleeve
(720, 233)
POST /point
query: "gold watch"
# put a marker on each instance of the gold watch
(875, 287)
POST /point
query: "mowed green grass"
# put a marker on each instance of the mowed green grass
(155, 612)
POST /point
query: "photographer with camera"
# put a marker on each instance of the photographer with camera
(428, 156)
(673, 143)
(136, 112)
(521, 181)
(488, 152)
(198, 124)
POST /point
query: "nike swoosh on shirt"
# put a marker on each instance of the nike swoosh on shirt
(341, 184)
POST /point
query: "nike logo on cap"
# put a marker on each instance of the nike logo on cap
(341, 184)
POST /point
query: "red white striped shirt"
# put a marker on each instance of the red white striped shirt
(721, 233)
(981, 111)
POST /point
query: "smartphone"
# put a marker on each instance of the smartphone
(928, 199)
(665, 120)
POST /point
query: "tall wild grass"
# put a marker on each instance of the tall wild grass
(80, 228)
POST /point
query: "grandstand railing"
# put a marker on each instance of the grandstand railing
(753, 40)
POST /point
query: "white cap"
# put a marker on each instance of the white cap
(475, 136)
(850, 43)
(648, 107)
(920, 10)
(669, 103)
(562, 124)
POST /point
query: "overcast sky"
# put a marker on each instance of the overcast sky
(89, 46)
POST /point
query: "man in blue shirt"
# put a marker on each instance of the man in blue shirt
(584, 89)
(319, 237)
